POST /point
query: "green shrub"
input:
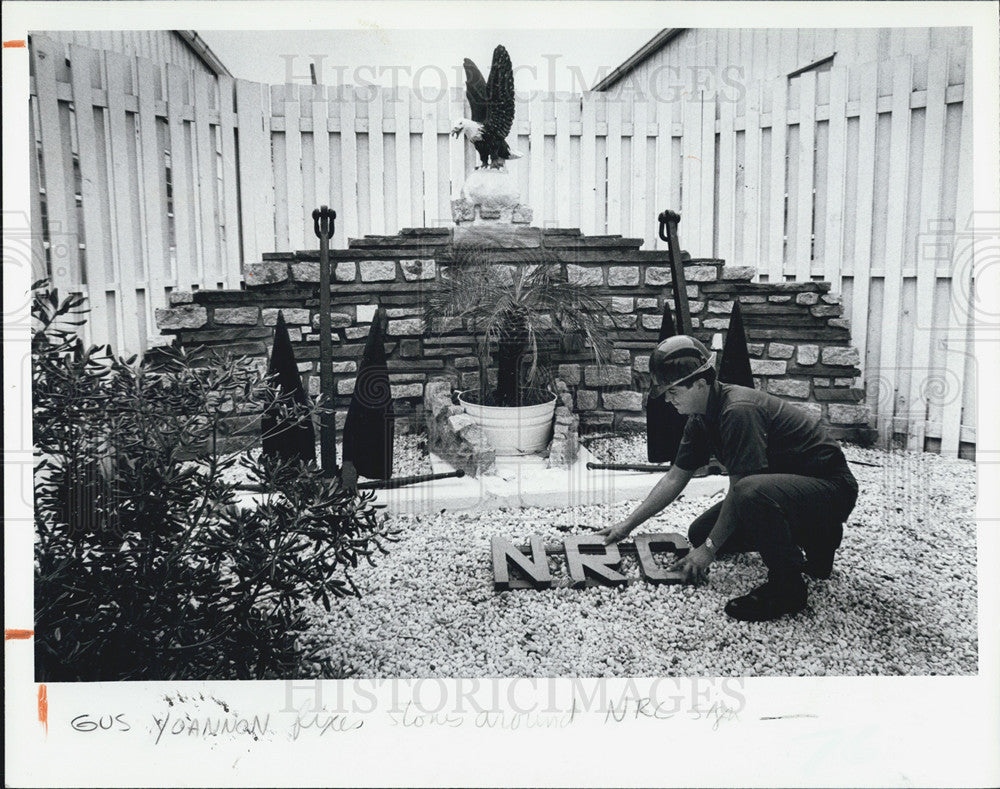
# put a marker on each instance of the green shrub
(147, 566)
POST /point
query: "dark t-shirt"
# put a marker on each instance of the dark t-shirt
(752, 432)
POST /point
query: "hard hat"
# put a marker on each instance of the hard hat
(676, 360)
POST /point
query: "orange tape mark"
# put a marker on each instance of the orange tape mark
(17, 42)
(43, 707)
(18, 634)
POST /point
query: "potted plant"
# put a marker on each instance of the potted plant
(522, 312)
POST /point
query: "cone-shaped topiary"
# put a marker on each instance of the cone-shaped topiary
(664, 424)
(370, 425)
(734, 368)
(287, 430)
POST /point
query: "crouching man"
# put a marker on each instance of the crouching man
(790, 487)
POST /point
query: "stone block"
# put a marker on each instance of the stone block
(695, 323)
(345, 386)
(344, 367)
(292, 315)
(406, 326)
(827, 310)
(624, 321)
(356, 332)
(807, 298)
(779, 350)
(646, 304)
(724, 307)
(622, 304)
(753, 299)
(378, 270)
(788, 387)
(415, 269)
(344, 271)
(406, 390)
(692, 291)
(841, 357)
(295, 334)
(651, 322)
(586, 400)
(469, 380)
(641, 364)
(265, 273)
(521, 214)
(694, 307)
(821, 381)
(767, 367)
(466, 362)
(755, 348)
(715, 323)
(409, 349)
(607, 375)
(620, 356)
(843, 382)
(738, 273)
(445, 325)
(184, 316)
(778, 299)
(831, 298)
(243, 316)
(338, 320)
(657, 276)
(633, 423)
(622, 276)
(839, 323)
(701, 273)
(459, 422)
(847, 414)
(570, 373)
(585, 275)
(180, 297)
(840, 394)
(807, 354)
(622, 401)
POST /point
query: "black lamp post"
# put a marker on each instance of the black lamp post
(323, 225)
(668, 232)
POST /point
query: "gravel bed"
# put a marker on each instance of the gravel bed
(902, 599)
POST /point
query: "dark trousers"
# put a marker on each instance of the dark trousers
(780, 514)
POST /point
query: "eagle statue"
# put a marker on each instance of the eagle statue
(492, 105)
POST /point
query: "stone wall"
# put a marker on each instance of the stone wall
(799, 341)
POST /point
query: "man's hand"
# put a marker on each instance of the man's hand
(695, 564)
(615, 533)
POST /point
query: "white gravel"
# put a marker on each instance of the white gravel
(902, 599)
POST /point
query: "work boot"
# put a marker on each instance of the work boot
(819, 557)
(770, 601)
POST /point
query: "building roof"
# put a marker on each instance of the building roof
(204, 53)
(651, 47)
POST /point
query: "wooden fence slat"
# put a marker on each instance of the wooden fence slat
(230, 204)
(752, 181)
(255, 148)
(442, 140)
(640, 220)
(865, 163)
(691, 118)
(121, 195)
(614, 147)
(889, 373)
(321, 153)
(279, 146)
(665, 164)
(376, 162)
(404, 213)
(206, 180)
(779, 136)
(93, 219)
(962, 293)
(836, 179)
(536, 168)
(295, 194)
(429, 156)
(727, 180)
(588, 162)
(706, 210)
(456, 146)
(154, 202)
(59, 188)
(182, 184)
(926, 258)
(807, 158)
(564, 200)
(349, 167)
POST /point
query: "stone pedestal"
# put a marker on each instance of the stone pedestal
(490, 197)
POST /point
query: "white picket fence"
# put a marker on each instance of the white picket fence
(153, 178)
